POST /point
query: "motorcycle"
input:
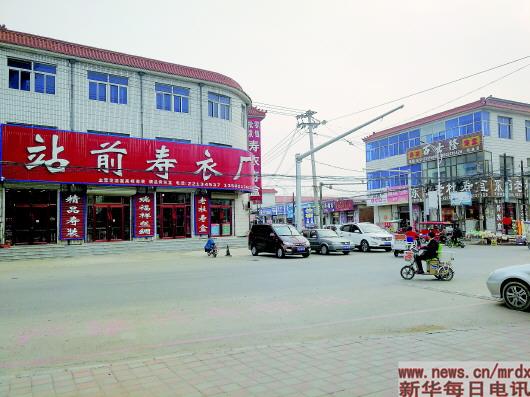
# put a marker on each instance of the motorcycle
(441, 269)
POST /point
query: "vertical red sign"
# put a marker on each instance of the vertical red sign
(144, 215)
(254, 147)
(202, 215)
(72, 218)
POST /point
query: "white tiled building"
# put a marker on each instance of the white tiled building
(504, 129)
(55, 85)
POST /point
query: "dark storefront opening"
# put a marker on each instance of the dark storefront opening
(174, 215)
(31, 216)
(108, 218)
(221, 217)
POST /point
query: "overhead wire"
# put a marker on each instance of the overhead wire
(428, 89)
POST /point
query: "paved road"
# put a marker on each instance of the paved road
(130, 308)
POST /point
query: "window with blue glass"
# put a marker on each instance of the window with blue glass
(20, 76)
(505, 127)
(392, 146)
(218, 106)
(174, 98)
(103, 85)
(394, 177)
(527, 129)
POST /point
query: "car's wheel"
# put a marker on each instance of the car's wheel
(396, 253)
(306, 255)
(365, 247)
(254, 251)
(516, 295)
(388, 249)
(324, 250)
(346, 252)
(407, 272)
(280, 253)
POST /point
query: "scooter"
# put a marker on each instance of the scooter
(440, 269)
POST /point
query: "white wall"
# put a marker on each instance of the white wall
(29, 107)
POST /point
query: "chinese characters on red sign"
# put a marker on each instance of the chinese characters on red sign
(71, 157)
(254, 147)
(202, 215)
(72, 219)
(144, 215)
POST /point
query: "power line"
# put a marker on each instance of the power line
(429, 89)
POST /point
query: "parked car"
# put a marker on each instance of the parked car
(325, 241)
(335, 228)
(512, 284)
(366, 236)
(277, 239)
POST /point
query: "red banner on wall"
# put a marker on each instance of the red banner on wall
(144, 215)
(30, 154)
(254, 147)
(202, 214)
(72, 216)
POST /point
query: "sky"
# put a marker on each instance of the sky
(335, 57)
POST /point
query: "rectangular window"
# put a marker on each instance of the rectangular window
(20, 73)
(486, 123)
(218, 106)
(100, 83)
(505, 127)
(177, 140)
(527, 129)
(243, 116)
(171, 97)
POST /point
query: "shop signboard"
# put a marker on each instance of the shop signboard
(398, 195)
(144, 215)
(202, 216)
(226, 229)
(344, 205)
(377, 198)
(43, 155)
(432, 199)
(72, 218)
(458, 146)
(290, 211)
(309, 216)
(460, 198)
(479, 188)
(328, 206)
(254, 147)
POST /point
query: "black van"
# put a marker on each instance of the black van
(277, 239)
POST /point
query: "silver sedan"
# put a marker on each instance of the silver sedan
(512, 284)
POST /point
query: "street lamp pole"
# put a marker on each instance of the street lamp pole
(300, 157)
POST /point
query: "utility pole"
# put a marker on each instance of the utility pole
(321, 212)
(505, 177)
(524, 191)
(299, 157)
(310, 124)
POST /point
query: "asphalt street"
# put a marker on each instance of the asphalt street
(101, 309)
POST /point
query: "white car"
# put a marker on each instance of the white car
(512, 284)
(366, 236)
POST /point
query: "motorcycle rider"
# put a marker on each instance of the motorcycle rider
(457, 234)
(430, 251)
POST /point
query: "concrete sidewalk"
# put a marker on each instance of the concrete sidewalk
(48, 251)
(360, 366)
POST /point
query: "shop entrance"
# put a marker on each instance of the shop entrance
(221, 217)
(108, 218)
(173, 211)
(31, 216)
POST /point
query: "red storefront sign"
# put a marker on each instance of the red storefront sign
(144, 215)
(72, 157)
(72, 216)
(254, 147)
(202, 214)
(344, 205)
